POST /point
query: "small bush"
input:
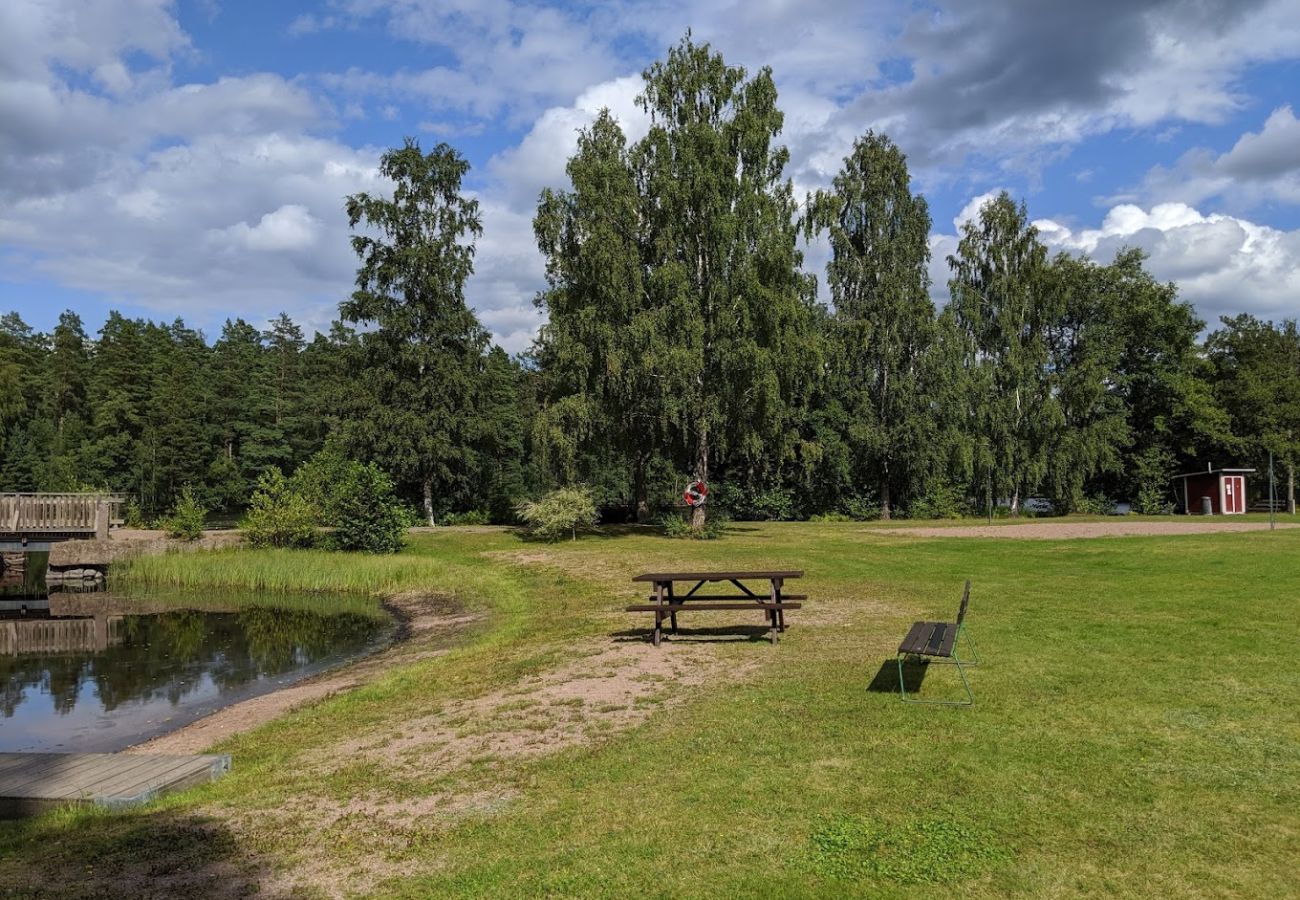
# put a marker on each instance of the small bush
(187, 518)
(473, 517)
(561, 513)
(677, 525)
(133, 515)
(755, 505)
(862, 507)
(278, 515)
(1098, 505)
(1153, 470)
(830, 517)
(941, 500)
(366, 513)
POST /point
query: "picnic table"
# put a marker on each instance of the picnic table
(666, 601)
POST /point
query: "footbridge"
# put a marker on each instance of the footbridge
(40, 519)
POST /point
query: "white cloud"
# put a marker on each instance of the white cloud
(1262, 167)
(1223, 264)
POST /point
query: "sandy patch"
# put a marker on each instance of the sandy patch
(1052, 531)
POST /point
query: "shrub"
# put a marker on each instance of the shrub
(941, 500)
(1153, 470)
(278, 515)
(1098, 505)
(187, 518)
(830, 517)
(676, 525)
(561, 512)
(133, 515)
(366, 514)
(753, 504)
(473, 517)
(862, 507)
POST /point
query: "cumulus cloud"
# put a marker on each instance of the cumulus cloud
(1221, 263)
(1262, 167)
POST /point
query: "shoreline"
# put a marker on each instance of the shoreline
(426, 625)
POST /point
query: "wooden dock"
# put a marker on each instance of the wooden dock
(32, 783)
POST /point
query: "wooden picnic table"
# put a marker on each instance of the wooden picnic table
(666, 602)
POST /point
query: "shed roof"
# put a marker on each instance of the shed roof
(1216, 472)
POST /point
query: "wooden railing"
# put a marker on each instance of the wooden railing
(59, 635)
(57, 514)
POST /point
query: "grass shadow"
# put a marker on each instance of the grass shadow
(127, 854)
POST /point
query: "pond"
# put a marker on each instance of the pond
(98, 672)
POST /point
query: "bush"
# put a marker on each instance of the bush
(366, 513)
(754, 505)
(279, 516)
(830, 517)
(1099, 505)
(1153, 470)
(560, 513)
(862, 507)
(473, 517)
(676, 525)
(187, 518)
(941, 500)
(133, 515)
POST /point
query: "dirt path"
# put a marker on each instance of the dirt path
(1057, 530)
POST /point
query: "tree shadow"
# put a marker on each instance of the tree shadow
(730, 634)
(133, 853)
(886, 679)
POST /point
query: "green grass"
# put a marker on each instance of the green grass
(1134, 732)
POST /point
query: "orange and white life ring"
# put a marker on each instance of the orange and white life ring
(695, 494)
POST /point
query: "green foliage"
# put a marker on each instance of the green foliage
(559, 513)
(187, 517)
(366, 513)
(675, 524)
(754, 504)
(473, 517)
(1095, 505)
(1154, 471)
(941, 500)
(133, 515)
(862, 507)
(279, 515)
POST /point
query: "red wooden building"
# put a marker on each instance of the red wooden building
(1225, 489)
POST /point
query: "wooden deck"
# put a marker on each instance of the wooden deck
(32, 783)
(27, 517)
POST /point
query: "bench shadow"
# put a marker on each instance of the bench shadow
(886, 679)
(752, 634)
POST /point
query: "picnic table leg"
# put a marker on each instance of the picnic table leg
(659, 613)
(673, 615)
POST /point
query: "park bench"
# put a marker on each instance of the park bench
(937, 641)
(665, 603)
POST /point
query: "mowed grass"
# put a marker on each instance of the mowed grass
(1134, 733)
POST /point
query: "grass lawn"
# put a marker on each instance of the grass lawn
(1135, 733)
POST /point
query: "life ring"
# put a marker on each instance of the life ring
(696, 493)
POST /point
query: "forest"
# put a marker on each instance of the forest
(684, 339)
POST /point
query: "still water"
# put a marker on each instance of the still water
(100, 671)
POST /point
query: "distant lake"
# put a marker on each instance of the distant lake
(100, 672)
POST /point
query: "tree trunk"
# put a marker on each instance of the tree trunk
(640, 498)
(428, 501)
(1015, 503)
(1290, 488)
(884, 499)
(701, 474)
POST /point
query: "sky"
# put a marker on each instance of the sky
(191, 158)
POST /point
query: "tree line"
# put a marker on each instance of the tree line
(684, 339)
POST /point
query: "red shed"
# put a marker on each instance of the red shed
(1225, 488)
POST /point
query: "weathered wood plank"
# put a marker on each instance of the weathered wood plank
(33, 782)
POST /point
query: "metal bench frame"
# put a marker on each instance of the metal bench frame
(935, 652)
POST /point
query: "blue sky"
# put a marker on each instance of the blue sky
(190, 158)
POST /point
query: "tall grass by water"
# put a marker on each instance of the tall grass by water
(280, 571)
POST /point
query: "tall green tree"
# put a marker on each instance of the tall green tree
(738, 353)
(884, 319)
(1002, 310)
(1083, 361)
(596, 350)
(1257, 382)
(421, 347)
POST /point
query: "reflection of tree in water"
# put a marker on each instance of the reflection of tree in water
(165, 656)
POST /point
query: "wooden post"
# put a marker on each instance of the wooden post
(101, 520)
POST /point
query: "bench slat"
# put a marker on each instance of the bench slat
(695, 598)
(930, 639)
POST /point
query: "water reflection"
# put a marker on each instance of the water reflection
(99, 672)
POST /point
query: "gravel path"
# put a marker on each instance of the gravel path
(1057, 530)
